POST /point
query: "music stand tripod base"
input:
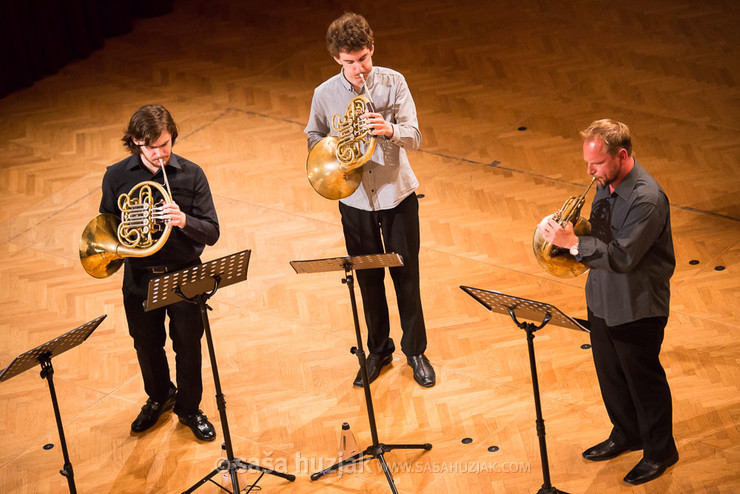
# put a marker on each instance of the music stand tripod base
(521, 307)
(349, 264)
(197, 284)
(43, 354)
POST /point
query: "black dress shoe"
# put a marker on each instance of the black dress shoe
(373, 364)
(151, 411)
(200, 426)
(607, 450)
(647, 470)
(423, 371)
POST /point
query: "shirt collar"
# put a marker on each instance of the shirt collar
(625, 187)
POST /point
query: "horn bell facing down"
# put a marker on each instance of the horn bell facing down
(326, 173)
(556, 260)
(334, 164)
(107, 239)
(98, 245)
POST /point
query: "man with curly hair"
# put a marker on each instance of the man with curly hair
(382, 215)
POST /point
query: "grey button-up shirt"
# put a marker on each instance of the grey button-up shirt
(631, 251)
(387, 178)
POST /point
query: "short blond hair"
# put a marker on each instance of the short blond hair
(615, 135)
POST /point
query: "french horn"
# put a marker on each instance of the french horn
(334, 164)
(556, 260)
(140, 232)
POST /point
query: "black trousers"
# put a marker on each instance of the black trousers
(367, 232)
(148, 332)
(634, 385)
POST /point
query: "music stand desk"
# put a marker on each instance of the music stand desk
(197, 284)
(43, 354)
(347, 264)
(522, 307)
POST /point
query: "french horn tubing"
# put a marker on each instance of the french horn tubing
(556, 260)
(334, 164)
(140, 232)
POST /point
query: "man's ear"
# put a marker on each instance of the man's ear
(338, 60)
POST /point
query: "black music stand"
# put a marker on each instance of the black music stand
(348, 264)
(42, 354)
(196, 285)
(506, 304)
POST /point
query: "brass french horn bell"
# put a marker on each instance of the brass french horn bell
(556, 260)
(140, 231)
(334, 164)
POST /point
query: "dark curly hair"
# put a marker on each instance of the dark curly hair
(349, 33)
(147, 124)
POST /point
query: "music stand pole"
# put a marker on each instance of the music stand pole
(47, 371)
(202, 282)
(377, 449)
(530, 329)
(42, 354)
(507, 304)
(360, 353)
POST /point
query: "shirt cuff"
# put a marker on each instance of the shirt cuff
(586, 247)
(394, 138)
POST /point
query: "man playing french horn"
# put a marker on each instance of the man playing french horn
(382, 213)
(630, 255)
(191, 217)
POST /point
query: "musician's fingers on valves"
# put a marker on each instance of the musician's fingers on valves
(554, 233)
(377, 124)
(545, 227)
(172, 215)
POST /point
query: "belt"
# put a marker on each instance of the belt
(164, 269)
(168, 269)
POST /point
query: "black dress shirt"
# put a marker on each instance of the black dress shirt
(190, 191)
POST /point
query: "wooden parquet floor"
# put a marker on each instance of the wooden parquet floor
(238, 78)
